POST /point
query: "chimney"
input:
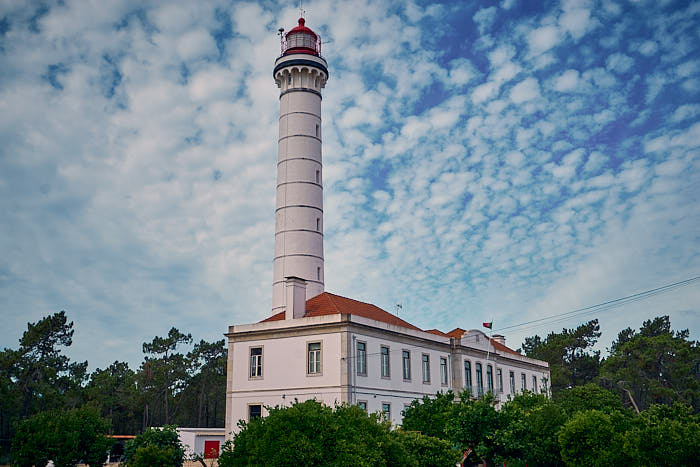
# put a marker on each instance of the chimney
(501, 339)
(295, 297)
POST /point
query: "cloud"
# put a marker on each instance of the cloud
(619, 63)
(542, 39)
(507, 171)
(524, 91)
(567, 81)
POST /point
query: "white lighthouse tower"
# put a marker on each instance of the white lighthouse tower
(300, 73)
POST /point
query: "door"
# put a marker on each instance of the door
(211, 449)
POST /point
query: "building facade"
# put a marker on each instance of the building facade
(317, 345)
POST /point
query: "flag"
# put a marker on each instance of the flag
(488, 325)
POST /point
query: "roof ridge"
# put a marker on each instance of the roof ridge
(330, 299)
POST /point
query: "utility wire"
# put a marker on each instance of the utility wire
(604, 306)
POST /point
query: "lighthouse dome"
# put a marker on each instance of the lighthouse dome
(301, 40)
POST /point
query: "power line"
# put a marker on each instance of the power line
(604, 306)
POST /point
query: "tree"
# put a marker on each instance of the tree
(170, 364)
(66, 437)
(656, 364)
(571, 360)
(529, 425)
(665, 435)
(312, 434)
(473, 425)
(587, 397)
(429, 415)
(594, 438)
(208, 368)
(114, 391)
(41, 372)
(156, 447)
(426, 451)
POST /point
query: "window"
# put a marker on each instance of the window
(314, 358)
(523, 382)
(289, 79)
(318, 176)
(443, 370)
(468, 377)
(256, 355)
(316, 82)
(489, 377)
(426, 368)
(534, 383)
(318, 224)
(385, 361)
(254, 411)
(317, 131)
(361, 358)
(318, 273)
(362, 405)
(406, 357)
(386, 410)
(499, 380)
(512, 382)
(479, 380)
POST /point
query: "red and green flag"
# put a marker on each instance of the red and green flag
(488, 325)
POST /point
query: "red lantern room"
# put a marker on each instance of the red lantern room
(301, 40)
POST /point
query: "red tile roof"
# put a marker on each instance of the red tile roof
(498, 346)
(456, 333)
(330, 304)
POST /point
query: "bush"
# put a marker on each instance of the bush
(66, 437)
(160, 446)
(310, 433)
(426, 451)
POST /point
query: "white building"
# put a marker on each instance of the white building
(331, 348)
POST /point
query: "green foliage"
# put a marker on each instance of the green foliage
(167, 369)
(474, 424)
(528, 433)
(310, 433)
(593, 438)
(429, 415)
(571, 360)
(114, 391)
(587, 397)
(165, 439)
(665, 435)
(656, 364)
(425, 451)
(66, 437)
(155, 456)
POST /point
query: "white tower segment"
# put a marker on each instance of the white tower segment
(300, 73)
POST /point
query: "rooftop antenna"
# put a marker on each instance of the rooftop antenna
(398, 308)
(301, 8)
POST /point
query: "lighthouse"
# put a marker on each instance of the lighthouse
(300, 74)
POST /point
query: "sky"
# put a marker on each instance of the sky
(483, 161)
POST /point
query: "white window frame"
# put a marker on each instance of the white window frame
(382, 355)
(425, 367)
(248, 410)
(468, 376)
(444, 376)
(319, 361)
(499, 380)
(260, 361)
(386, 413)
(361, 359)
(406, 370)
(360, 406)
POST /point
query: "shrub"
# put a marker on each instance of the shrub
(66, 437)
(155, 443)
